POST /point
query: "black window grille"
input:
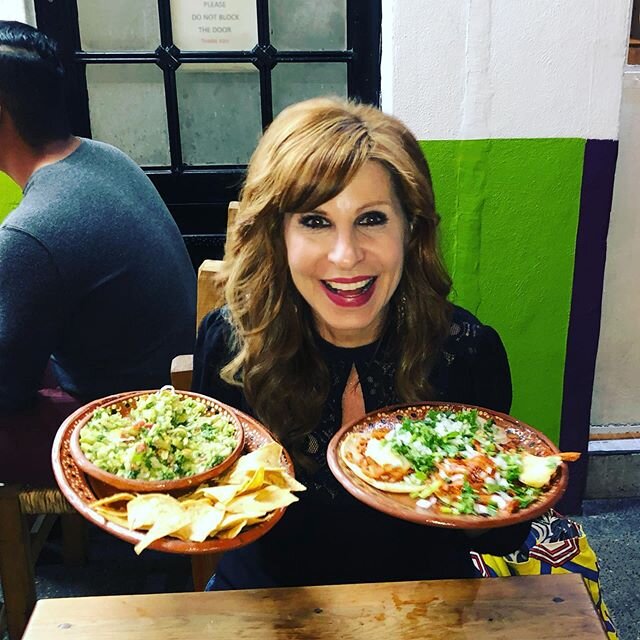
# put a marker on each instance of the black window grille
(197, 195)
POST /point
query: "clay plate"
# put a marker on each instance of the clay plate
(74, 484)
(404, 507)
(104, 483)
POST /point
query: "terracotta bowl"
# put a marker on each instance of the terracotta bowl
(81, 493)
(404, 507)
(105, 483)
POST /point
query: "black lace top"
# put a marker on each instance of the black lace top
(329, 537)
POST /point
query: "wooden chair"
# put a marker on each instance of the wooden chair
(26, 518)
(210, 296)
(28, 514)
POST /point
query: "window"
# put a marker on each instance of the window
(185, 87)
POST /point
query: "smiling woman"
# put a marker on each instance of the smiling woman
(336, 305)
(346, 257)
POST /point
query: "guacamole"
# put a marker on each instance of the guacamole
(161, 436)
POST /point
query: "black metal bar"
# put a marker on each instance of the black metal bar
(111, 57)
(221, 169)
(262, 11)
(173, 119)
(313, 56)
(209, 56)
(266, 100)
(114, 56)
(170, 85)
(218, 58)
(265, 62)
(164, 17)
(363, 39)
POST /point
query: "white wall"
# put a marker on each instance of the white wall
(504, 68)
(465, 69)
(20, 10)
(616, 396)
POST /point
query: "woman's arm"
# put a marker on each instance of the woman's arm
(474, 368)
(488, 377)
(499, 541)
(490, 372)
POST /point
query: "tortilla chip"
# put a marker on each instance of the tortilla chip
(117, 516)
(116, 497)
(162, 513)
(234, 531)
(252, 482)
(222, 493)
(204, 520)
(163, 527)
(262, 501)
(260, 487)
(267, 456)
(280, 478)
(145, 509)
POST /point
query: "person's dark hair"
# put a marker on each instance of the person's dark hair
(307, 156)
(32, 84)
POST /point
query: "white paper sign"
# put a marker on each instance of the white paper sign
(214, 25)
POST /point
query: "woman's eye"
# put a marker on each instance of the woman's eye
(313, 221)
(373, 218)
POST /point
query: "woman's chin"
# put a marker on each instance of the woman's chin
(350, 334)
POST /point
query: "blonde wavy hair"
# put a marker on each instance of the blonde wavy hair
(306, 157)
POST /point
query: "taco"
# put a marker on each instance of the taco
(378, 465)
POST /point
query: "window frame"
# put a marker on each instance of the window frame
(197, 195)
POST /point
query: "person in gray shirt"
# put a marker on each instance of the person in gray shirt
(96, 285)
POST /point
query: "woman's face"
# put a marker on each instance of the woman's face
(346, 257)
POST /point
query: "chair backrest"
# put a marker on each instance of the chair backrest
(209, 296)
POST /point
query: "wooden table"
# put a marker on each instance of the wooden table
(526, 608)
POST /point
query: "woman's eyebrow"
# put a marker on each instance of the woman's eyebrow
(368, 205)
(375, 203)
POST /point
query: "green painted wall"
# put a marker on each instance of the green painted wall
(509, 221)
(10, 195)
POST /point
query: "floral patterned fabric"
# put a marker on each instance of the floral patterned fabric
(556, 544)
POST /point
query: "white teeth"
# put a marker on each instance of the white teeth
(348, 286)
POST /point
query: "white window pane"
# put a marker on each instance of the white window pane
(300, 25)
(292, 82)
(220, 120)
(127, 109)
(116, 26)
(214, 25)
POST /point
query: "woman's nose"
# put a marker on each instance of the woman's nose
(346, 251)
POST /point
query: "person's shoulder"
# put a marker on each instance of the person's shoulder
(214, 347)
(20, 241)
(216, 319)
(216, 330)
(30, 223)
(114, 182)
(464, 324)
(97, 146)
(466, 331)
(474, 368)
(105, 152)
